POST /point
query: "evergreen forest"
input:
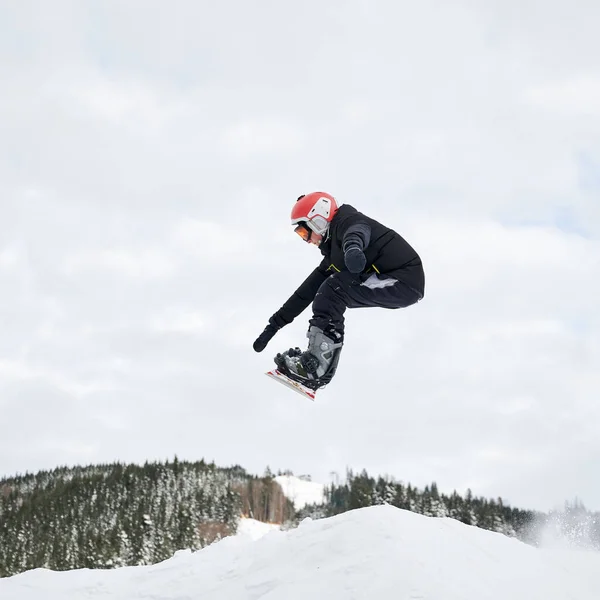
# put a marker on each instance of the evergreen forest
(113, 515)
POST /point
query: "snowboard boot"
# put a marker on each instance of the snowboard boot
(316, 366)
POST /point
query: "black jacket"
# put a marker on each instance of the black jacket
(387, 253)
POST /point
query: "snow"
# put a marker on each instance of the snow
(253, 529)
(300, 491)
(378, 552)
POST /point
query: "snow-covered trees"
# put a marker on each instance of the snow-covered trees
(117, 515)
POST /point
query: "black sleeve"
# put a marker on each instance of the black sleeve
(358, 234)
(302, 297)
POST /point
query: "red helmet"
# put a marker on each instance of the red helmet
(316, 209)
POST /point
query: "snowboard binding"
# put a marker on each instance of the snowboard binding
(303, 367)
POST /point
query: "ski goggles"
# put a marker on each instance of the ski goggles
(303, 231)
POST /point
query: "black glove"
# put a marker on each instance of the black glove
(265, 337)
(355, 259)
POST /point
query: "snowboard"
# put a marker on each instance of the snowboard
(277, 375)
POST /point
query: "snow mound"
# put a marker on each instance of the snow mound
(253, 529)
(372, 553)
(300, 491)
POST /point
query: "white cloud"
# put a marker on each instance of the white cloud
(356, 112)
(262, 138)
(9, 258)
(514, 328)
(147, 263)
(123, 102)
(213, 242)
(177, 321)
(11, 370)
(578, 95)
(529, 267)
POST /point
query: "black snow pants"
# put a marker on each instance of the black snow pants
(345, 290)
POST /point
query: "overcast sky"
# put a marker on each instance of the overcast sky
(150, 155)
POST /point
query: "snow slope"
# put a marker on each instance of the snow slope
(373, 553)
(253, 529)
(300, 491)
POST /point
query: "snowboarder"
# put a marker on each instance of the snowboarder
(365, 264)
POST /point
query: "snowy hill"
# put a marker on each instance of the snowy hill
(300, 491)
(371, 553)
(253, 529)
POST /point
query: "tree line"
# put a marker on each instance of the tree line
(119, 515)
(114, 515)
